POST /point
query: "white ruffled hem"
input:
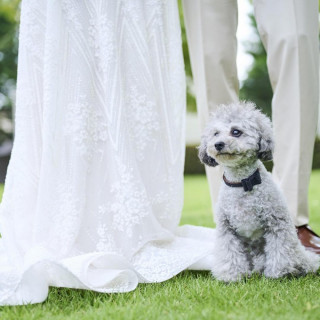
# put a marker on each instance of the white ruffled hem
(157, 261)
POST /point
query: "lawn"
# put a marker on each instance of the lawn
(191, 295)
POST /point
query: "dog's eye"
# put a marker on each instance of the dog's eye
(216, 133)
(236, 133)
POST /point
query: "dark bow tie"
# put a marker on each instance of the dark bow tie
(247, 183)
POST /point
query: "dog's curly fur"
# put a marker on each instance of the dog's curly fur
(255, 232)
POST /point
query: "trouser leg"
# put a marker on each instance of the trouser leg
(211, 27)
(289, 31)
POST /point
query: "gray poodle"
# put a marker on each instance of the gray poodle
(255, 232)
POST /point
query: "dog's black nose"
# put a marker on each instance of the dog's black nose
(219, 145)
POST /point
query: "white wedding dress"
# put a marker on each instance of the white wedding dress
(94, 189)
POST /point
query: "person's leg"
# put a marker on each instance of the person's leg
(289, 31)
(211, 31)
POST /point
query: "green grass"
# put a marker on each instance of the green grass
(191, 295)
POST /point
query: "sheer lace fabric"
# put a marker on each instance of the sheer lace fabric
(94, 189)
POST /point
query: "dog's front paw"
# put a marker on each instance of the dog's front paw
(275, 273)
(227, 276)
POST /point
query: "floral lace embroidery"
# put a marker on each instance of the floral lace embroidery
(130, 202)
(8, 279)
(169, 211)
(106, 241)
(67, 216)
(143, 120)
(30, 32)
(101, 38)
(158, 259)
(86, 126)
(157, 8)
(71, 10)
(130, 10)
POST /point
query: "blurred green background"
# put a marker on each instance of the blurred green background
(9, 20)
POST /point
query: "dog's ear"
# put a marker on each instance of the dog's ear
(266, 142)
(203, 155)
(265, 152)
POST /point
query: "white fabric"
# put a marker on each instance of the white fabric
(211, 27)
(292, 45)
(94, 189)
(289, 30)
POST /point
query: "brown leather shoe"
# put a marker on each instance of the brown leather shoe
(309, 239)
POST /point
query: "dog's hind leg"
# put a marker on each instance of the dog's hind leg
(285, 254)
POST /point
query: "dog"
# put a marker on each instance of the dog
(255, 232)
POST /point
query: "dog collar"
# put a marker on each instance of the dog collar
(247, 183)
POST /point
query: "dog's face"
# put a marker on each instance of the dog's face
(236, 134)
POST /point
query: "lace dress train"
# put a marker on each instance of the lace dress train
(94, 189)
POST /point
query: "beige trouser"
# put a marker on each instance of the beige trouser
(289, 32)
